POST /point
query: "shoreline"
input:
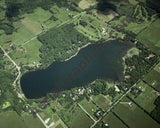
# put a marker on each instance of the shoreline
(79, 48)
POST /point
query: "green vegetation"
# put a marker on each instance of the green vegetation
(144, 95)
(113, 121)
(60, 43)
(8, 97)
(150, 36)
(102, 101)
(138, 66)
(10, 119)
(133, 115)
(62, 27)
(156, 111)
(152, 78)
(90, 107)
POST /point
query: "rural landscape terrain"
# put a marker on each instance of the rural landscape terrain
(38, 36)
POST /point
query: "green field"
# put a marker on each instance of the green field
(150, 36)
(102, 101)
(134, 116)
(113, 121)
(89, 107)
(146, 98)
(79, 119)
(157, 68)
(153, 78)
(12, 120)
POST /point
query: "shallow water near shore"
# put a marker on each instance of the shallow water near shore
(94, 61)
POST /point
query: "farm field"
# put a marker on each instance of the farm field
(102, 101)
(10, 119)
(146, 98)
(113, 121)
(79, 119)
(150, 36)
(89, 107)
(153, 78)
(28, 54)
(133, 115)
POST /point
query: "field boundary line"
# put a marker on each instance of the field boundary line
(86, 112)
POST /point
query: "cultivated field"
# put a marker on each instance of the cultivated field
(150, 36)
(102, 101)
(10, 119)
(113, 121)
(153, 78)
(89, 107)
(146, 98)
(134, 116)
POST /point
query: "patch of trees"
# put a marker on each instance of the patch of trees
(101, 87)
(156, 112)
(60, 43)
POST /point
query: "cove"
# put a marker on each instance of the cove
(94, 61)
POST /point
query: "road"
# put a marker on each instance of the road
(57, 26)
(18, 68)
(86, 112)
(114, 104)
(42, 120)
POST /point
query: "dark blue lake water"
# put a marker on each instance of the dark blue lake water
(94, 61)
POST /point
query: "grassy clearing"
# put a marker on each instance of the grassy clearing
(134, 116)
(132, 51)
(150, 36)
(39, 15)
(12, 120)
(102, 101)
(59, 15)
(153, 78)
(113, 121)
(146, 98)
(89, 107)
(17, 38)
(28, 54)
(33, 26)
(84, 4)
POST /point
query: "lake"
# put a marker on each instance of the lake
(102, 61)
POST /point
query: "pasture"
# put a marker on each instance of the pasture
(146, 98)
(89, 107)
(113, 121)
(150, 37)
(102, 101)
(133, 115)
(153, 78)
(10, 119)
(84, 4)
(79, 119)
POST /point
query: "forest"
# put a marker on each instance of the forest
(138, 66)
(60, 43)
